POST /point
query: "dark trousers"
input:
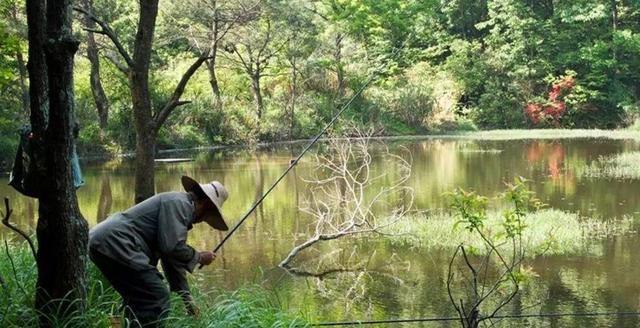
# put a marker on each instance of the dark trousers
(145, 297)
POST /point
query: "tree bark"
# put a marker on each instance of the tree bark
(61, 229)
(99, 97)
(211, 66)
(213, 79)
(614, 28)
(257, 94)
(22, 69)
(294, 95)
(141, 99)
(339, 71)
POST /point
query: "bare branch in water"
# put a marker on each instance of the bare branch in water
(348, 199)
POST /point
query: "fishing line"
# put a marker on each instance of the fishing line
(294, 162)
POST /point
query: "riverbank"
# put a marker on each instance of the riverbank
(475, 135)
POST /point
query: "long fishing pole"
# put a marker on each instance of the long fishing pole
(306, 149)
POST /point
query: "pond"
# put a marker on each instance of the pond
(400, 280)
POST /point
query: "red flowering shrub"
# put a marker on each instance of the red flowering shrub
(552, 111)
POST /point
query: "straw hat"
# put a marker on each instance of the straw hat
(216, 192)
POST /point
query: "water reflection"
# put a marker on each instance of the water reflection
(394, 280)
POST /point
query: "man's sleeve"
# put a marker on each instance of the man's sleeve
(176, 276)
(172, 234)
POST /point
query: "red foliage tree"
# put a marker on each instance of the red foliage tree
(551, 111)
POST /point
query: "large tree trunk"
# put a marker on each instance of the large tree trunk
(145, 154)
(61, 229)
(140, 96)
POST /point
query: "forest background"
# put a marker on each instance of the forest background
(275, 70)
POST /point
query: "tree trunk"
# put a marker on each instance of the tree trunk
(211, 66)
(213, 79)
(614, 28)
(144, 168)
(22, 69)
(339, 71)
(99, 97)
(294, 81)
(61, 229)
(257, 94)
(141, 99)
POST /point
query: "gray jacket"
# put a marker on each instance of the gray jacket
(155, 229)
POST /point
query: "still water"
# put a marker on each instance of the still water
(397, 281)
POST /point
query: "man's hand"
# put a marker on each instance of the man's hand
(193, 309)
(190, 304)
(206, 257)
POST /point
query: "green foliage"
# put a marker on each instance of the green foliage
(470, 208)
(461, 64)
(250, 306)
(471, 211)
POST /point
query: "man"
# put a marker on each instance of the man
(126, 247)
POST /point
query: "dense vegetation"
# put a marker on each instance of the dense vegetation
(249, 306)
(277, 70)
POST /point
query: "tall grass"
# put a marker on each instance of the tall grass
(618, 166)
(547, 232)
(249, 306)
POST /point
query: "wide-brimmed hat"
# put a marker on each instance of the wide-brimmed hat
(216, 192)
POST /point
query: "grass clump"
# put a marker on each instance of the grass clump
(548, 232)
(618, 166)
(250, 306)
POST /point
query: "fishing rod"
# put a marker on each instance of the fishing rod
(295, 161)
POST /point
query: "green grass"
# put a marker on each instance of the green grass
(250, 306)
(547, 232)
(552, 134)
(619, 166)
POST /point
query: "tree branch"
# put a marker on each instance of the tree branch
(175, 101)
(13, 268)
(113, 58)
(17, 230)
(106, 30)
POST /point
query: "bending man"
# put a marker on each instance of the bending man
(127, 246)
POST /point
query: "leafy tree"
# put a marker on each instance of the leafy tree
(148, 118)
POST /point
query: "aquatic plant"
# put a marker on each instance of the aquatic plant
(549, 231)
(618, 166)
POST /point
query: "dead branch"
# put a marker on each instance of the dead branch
(347, 200)
(17, 230)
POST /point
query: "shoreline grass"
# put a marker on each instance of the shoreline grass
(547, 232)
(506, 134)
(249, 306)
(618, 166)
